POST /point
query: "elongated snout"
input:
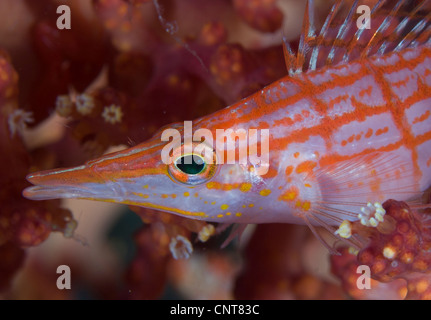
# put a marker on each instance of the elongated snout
(75, 182)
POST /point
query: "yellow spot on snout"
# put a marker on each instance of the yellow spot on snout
(224, 206)
(213, 185)
(245, 187)
(265, 192)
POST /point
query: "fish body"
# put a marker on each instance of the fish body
(340, 136)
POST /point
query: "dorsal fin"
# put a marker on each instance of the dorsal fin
(395, 25)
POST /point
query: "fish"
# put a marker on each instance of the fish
(348, 128)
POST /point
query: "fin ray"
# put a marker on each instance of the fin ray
(348, 185)
(316, 48)
(237, 231)
(337, 42)
(319, 236)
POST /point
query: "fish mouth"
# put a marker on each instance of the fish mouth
(56, 192)
(77, 182)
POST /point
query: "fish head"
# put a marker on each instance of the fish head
(169, 172)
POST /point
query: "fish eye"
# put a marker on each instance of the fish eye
(194, 168)
(190, 164)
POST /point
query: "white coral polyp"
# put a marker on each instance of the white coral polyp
(63, 105)
(18, 121)
(180, 247)
(112, 114)
(372, 214)
(84, 104)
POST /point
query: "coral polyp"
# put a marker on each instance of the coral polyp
(400, 250)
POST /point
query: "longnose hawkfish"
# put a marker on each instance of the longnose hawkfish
(349, 127)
